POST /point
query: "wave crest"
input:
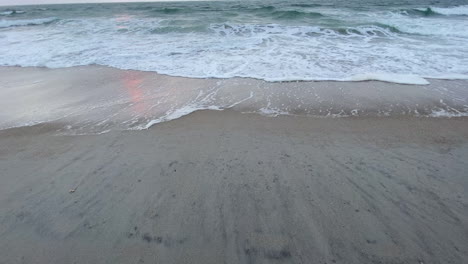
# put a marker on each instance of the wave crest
(293, 14)
(27, 22)
(437, 11)
(376, 30)
(457, 10)
(11, 12)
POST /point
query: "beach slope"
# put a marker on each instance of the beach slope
(226, 187)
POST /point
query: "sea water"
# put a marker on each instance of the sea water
(396, 41)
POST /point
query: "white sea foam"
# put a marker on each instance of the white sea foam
(450, 76)
(384, 45)
(445, 113)
(389, 77)
(11, 12)
(26, 22)
(177, 113)
(457, 10)
(6, 13)
(268, 111)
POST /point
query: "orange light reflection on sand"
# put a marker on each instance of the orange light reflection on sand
(132, 82)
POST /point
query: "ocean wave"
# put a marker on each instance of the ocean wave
(449, 76)
(260, 9)
(178, 29)
(437, 11)
(293, 14)
(277, 13)
(389, 77)
(271, 52)
(426, 12)
(170, 11)
(341, 45)
(375, 76)
(306, 5)
(11, 12)
(457, 10)
(27, 22)
(443, 27)
(375, 30)
(6, 13)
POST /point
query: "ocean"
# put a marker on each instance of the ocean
(99, 67)
(396, 41)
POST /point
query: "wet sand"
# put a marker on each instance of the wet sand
(93, 99)
(225, 187)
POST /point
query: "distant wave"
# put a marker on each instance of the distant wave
(11, 12)
(378, 29)
(26, 22)
(175, 29)
(264, 11)
(273, 12)
(427, 12)
(458, 10)
(438, 11)
(295, 14)
(306, 5)
(375, 30)
(171, 10)
(264, 8)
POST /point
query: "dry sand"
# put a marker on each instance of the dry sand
(225, 187)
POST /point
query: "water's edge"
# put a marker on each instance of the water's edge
(97, 99)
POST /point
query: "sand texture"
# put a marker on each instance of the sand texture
(225, 187)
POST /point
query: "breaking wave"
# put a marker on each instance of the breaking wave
(270, 41)
(26, 22)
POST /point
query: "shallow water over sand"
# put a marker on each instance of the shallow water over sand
(96, 99)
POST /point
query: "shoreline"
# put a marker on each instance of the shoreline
(221, 186)
(448, 77)
(94, 99)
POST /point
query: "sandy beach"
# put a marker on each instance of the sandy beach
(233, 132)
(226, 187)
